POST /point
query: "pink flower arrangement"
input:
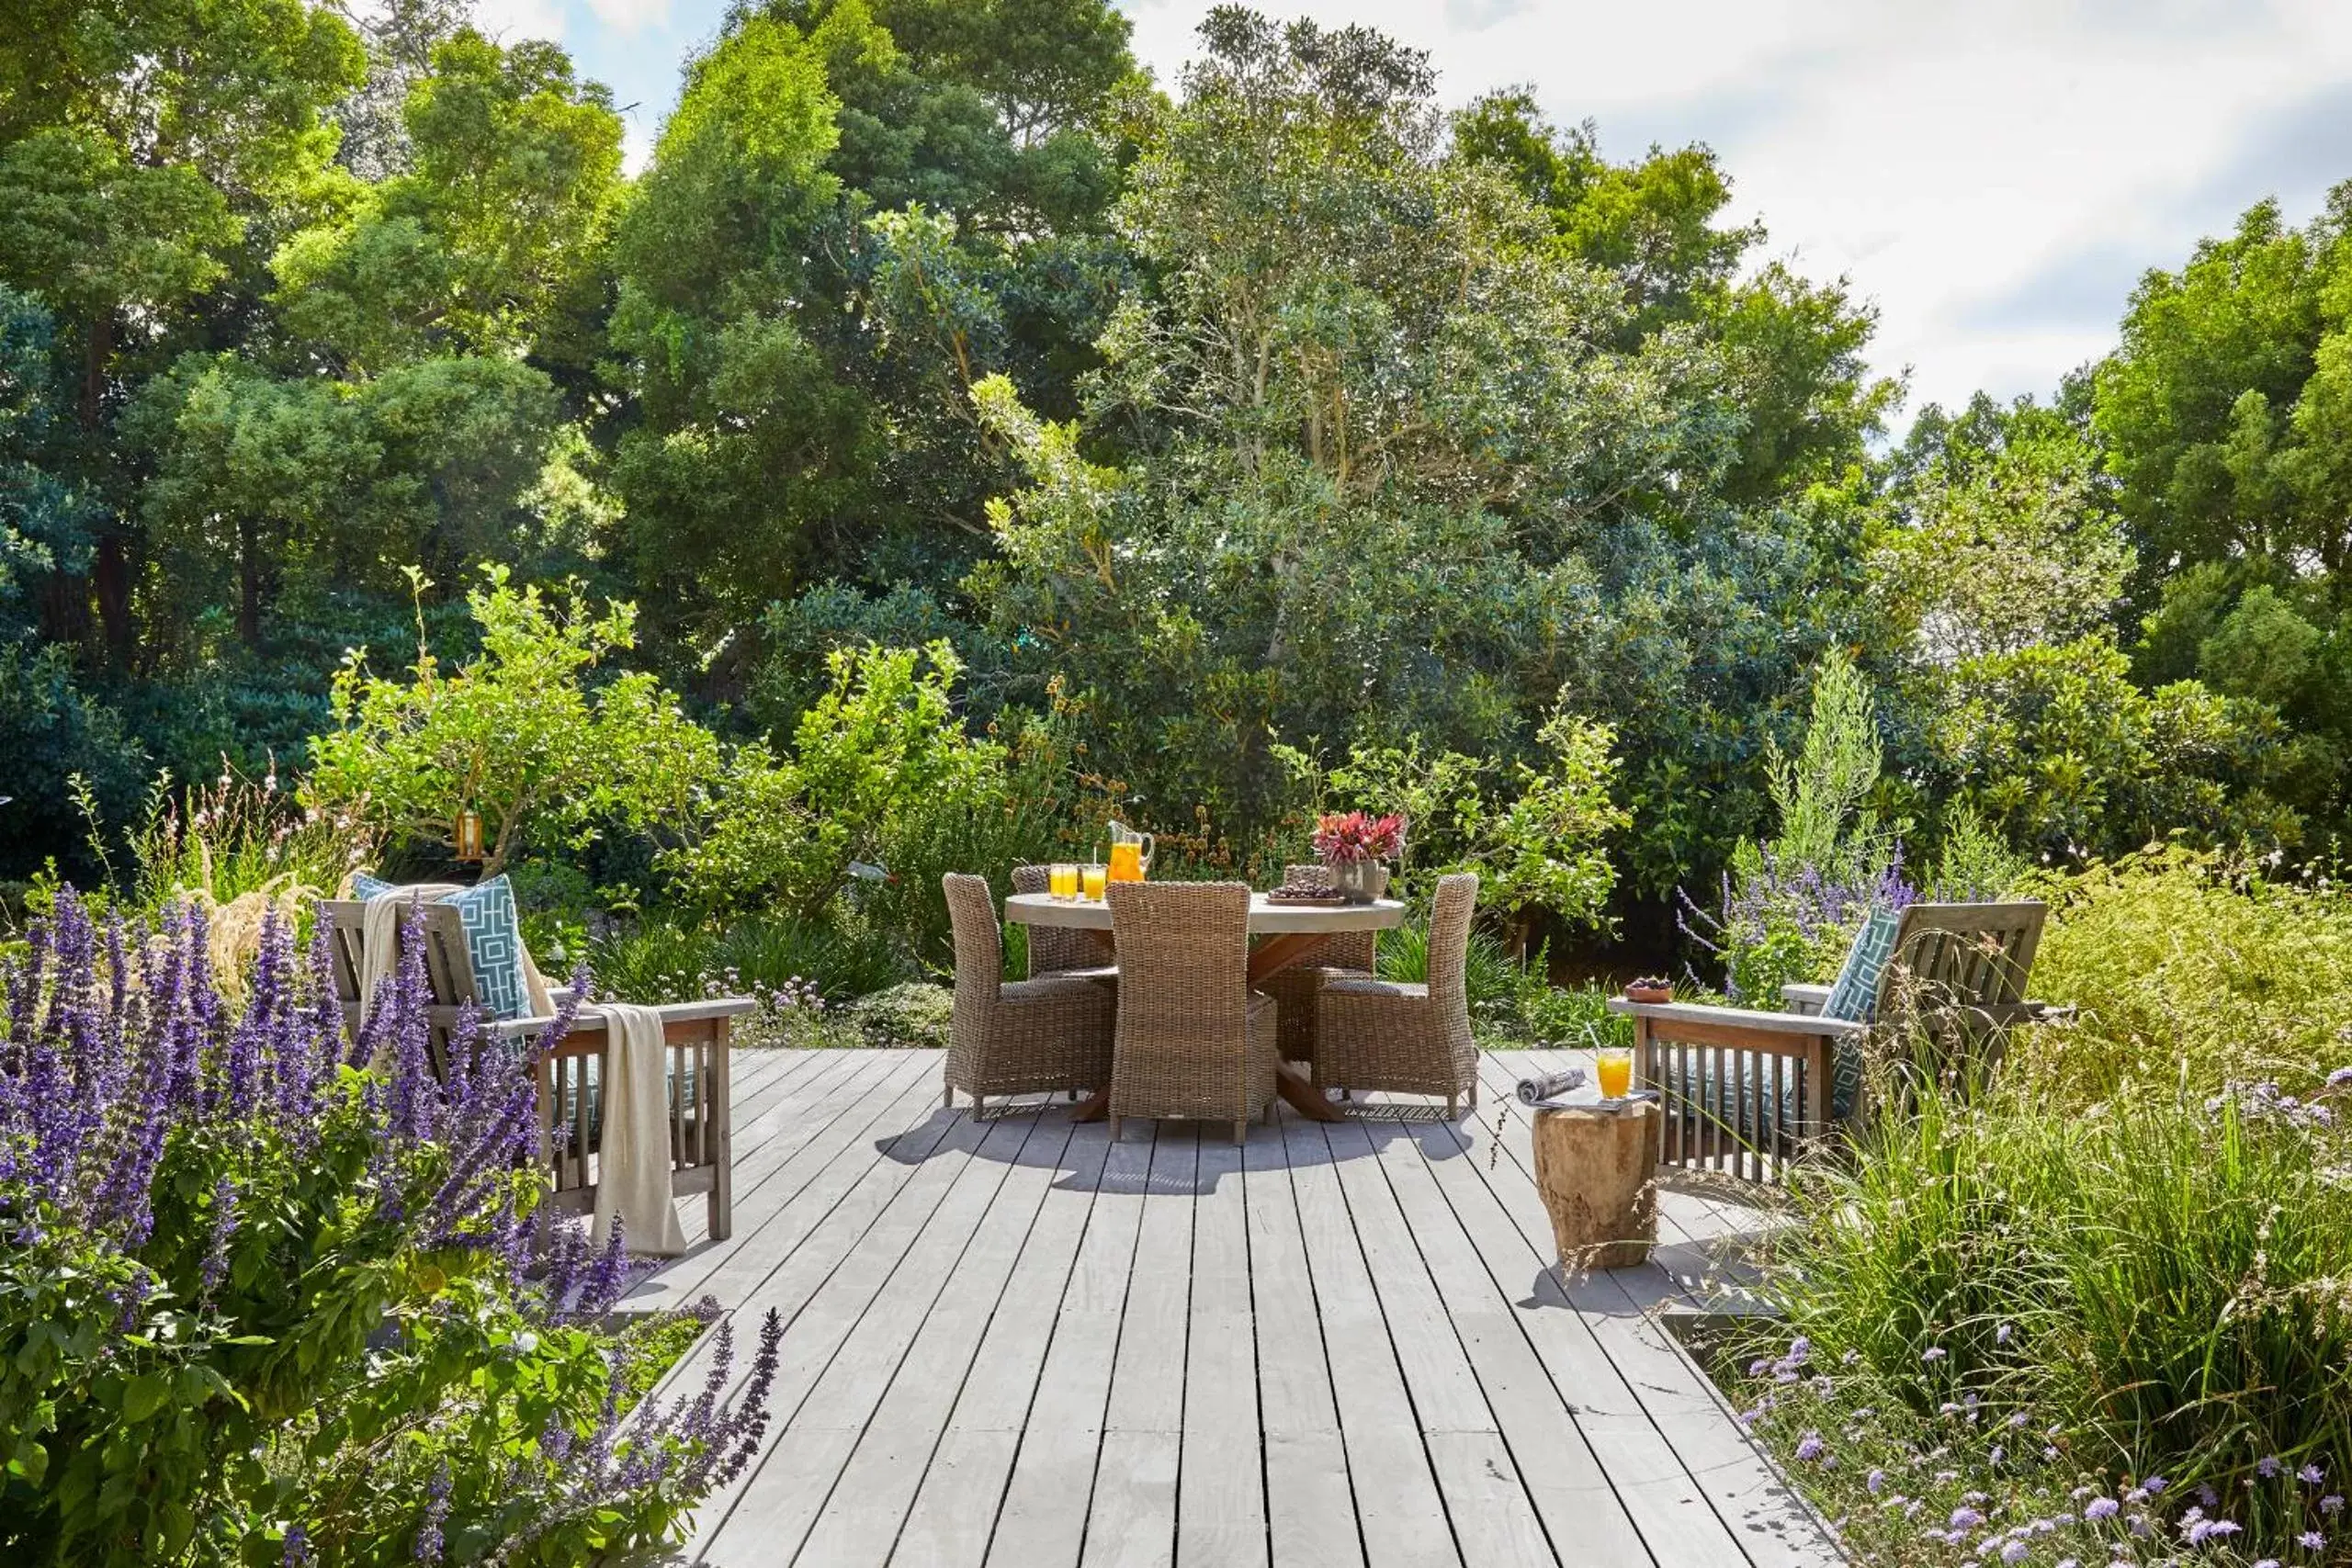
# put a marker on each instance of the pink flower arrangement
(1345, 838)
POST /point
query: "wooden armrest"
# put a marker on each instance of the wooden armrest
(1737, 1018)
(1803, 999)
(590, 1019)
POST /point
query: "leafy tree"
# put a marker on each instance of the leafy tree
(1999, 536)
(516, 733)
(150, 158)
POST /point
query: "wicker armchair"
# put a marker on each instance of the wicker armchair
(1412, 1039)
(1344, 955)
(1194, 1040)
(1054, 950)
(1024, 1037)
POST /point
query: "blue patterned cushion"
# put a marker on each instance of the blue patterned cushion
(1855, 996)
(493, 940)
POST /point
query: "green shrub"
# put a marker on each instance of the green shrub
(2182, 963)
(667, 960)
(916, 1013)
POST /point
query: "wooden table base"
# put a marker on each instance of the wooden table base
(1298, 1091)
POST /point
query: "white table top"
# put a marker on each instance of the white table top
(1265, 916)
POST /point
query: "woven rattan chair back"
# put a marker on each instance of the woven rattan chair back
(979, 946)
(1183, 958)
(1054, 949)
(1449, 956)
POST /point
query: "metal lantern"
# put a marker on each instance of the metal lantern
(470, 834)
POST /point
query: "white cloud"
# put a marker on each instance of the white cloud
(1994, 174)
(512, 20)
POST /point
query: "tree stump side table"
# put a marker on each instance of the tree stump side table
(1596, 1169)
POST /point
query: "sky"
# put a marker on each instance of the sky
(1994, 174)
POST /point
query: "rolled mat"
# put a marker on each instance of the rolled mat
(1551, 1085)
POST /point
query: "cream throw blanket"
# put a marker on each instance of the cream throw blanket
(633, 1154)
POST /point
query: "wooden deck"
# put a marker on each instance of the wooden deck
(1014, 1342)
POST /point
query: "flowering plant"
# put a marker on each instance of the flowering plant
(271, 1294)
(1344, 837)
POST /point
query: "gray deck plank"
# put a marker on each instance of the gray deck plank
(855, 1326)
(911, 1402)
(1310, 1501)
(771, 1130)
(1221, 1489)
(1130, 1516)
(954, 1510)
(1043, 1521)
(1401, 1516)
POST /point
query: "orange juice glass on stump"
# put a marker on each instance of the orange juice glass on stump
(1094, 878)
(1614, 1071)
(1061, 879)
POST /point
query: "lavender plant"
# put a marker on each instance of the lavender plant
(270, 1292)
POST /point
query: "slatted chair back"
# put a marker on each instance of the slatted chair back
(448, 968)
(1963, 955)
(1054, 949)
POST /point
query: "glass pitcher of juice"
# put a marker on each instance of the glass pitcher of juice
(1130, 853)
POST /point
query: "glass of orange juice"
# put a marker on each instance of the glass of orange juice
(1061, 879)
(1094, 878)
(1613, 1070)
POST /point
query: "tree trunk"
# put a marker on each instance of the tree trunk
(1598, 1173)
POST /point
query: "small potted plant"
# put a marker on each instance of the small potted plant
(1649, 988)
(1355, 845)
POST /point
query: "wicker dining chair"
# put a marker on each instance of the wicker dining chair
(1411, 1039)
(1022, 1036)
(1193, 1038)
(1344, 955)
(1054, 950)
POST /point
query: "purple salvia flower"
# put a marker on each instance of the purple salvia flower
(297, 1547)
(2311, 1540)
(436, 1514)
(215, 1266)
(2311, 1475)
(1809, 1448)
(2100, 1508)
(2267, 1467)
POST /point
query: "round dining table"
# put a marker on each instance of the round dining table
(1289, 933)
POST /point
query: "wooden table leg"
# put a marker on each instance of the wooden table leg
(1279, 953)
(1298, 1091)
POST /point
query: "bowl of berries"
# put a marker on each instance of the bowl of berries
(1649, 988)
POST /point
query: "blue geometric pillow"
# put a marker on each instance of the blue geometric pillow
(493, 940)
(1855, 996)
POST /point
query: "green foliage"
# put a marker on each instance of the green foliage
(662, 959)
(516, 733)
(1548, 847)
(1999, 536)
(880, 764)
(2187, 965)
(916, 1013)
(2057, 748)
